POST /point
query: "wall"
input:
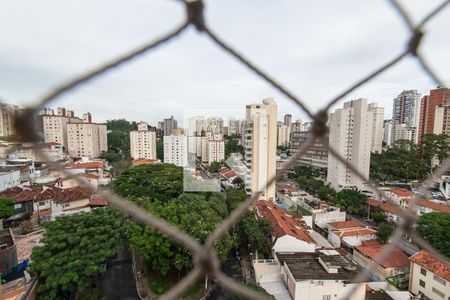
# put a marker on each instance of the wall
(430, 283)
(9, 180)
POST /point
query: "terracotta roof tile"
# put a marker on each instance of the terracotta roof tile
(384, 206)
(88, 176)
(396, 258)
(432, 263)
(402, 192)
(288, 188)
(433, 205)
(86, 165)
(42, 213)
(355, 232)
(346, 224)
(137, 162)
(283, 223)
(98, 202)
(72, 194)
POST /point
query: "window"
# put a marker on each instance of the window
(439, 279)
(423, 271)
(326, 297)
(422, 283)
(438, 292)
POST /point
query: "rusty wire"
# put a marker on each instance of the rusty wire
(205, 257)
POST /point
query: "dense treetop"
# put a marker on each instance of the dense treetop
(435, 228)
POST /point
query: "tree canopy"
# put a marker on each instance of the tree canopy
(253, 234)
(232, 145)
(384, 232)
(75, 250)
(159, 182)
(196, 214)
(6, 207)
(434, 228)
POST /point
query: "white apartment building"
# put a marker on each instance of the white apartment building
(406, 111)
(377, 127)
(175, 150)
(86, 139)
(234, 126)
(143, 142)
(283, 133)
(429, 277)
(7, 113)
(387, 136)
(260, 144)
(351, 129)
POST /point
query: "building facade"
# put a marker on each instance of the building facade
(432, 108)
(175, 150)
(405, 115)
(351, 129)
(283, 134)
(315, 156)
(7, 113)
(143, 142)
(260, 145)
(168, 125)
(86, 139)
(377, 127)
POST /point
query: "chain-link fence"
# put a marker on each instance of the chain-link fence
(205, 258)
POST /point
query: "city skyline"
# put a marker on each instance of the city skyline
(143, 90)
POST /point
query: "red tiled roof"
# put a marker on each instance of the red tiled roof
(288, 188)
(282, 222)
(26, 195)
(384, 206)
(10, 193)
(47, 194)
(432, 263)
(98, 202)
(346, 224)
(402, 192)
(72, 194)
(229, 174)
(42, 213)
(433, 205)
(396, 257)
(89, 176)
(52, 144)
(355, 232)
(146, 162)
(86, 165)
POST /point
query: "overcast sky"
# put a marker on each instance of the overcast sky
(316, 48)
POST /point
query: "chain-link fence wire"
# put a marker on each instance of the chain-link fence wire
(206, 262)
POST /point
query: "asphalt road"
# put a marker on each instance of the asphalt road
(118, 282)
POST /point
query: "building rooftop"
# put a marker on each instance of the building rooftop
(395, 259)
(431, 263)
(308, 266)
(356, 232)
(98, 202)
(384, 206)
(283, 223)
(137, 162)
(433, 205)
(402, 192)
(346, 224)
(86, 165)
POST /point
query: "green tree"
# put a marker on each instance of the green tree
(434, 228)
(160, 150)
(196, 214)
(253, 234)
(215, 166)
(234, 197)
(350, 199)
(384, 232)
(232, 145)
(379, 217)
(75, 250)
(434, 146)
(6, 207)
(159, 181)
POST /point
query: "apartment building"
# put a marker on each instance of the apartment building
(7, 113)
(283, 134)
(315, 156)
(435, 112)
(167, 125)
(86, 139)
(387, 135)
(351, 130)
(143, 142)
(429, 277)
(405, 115)
(377, 127)
(175, 150)
(234, 126)
(260, 145)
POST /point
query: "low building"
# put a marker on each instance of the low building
(9, 178)
(349, 234)
(394, 264)
(138, 162)
(290, 234)
(393, 213)
(401, 197)
(429, 277)
(8, 251)
(70, 201)
(322, 275)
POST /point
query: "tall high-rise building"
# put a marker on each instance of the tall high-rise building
(86, 139)
(168, 125)
(143, 142)
(351, 129)
(387, 136)
(406, 110)
(260, 144)
(283, 134)
(176, 150)
(234, 126)
(377, 127)
(7, 113)
(288, 120)
(433, 107)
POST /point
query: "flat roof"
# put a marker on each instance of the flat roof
(306, 266)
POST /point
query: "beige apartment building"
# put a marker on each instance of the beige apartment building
(283, 134)
(351, 130)
(80, 137)
(175, 150)
(7, 113)
(377, 127)
(260, 144)
(143, 142)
